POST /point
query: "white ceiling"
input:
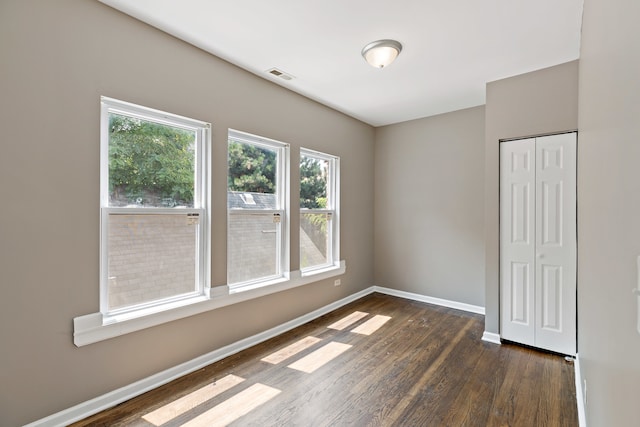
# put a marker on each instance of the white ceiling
(451, 48)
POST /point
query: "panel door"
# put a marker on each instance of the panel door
(555, 266)
(517, 240)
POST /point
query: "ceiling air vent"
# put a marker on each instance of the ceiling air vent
(280, 74)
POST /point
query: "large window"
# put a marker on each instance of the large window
(155, 256)
(319, 199)
(154, 242)
(257, 200)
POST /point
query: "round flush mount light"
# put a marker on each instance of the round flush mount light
(381, 53)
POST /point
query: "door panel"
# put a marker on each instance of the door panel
(551, 211)
(552, 298)
(552, 157)
(555, 277)
(517, 241)
(520, 287)
(520, 220)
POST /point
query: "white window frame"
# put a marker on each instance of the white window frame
(96, 327)
(332, 209)
(282, 209)
(201, 209)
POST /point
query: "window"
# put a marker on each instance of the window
(154, 219)
(257, 204)
(319, 197)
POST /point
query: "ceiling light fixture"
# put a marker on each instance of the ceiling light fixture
(381, 53)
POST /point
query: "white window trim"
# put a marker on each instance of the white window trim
(96, 327)
(201, 207)
(283, 209)
(333, 201)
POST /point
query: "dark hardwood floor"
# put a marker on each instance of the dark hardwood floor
(403, 363)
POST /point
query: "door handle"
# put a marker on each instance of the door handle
(539, 256)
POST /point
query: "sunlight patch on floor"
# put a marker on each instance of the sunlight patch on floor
(180, 406)
(290, 350)
(247, 400)
(347, 321)
(235, 407)
(371, 325)
(320, 357)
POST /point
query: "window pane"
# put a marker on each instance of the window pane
(150, 164)
(243, 200)
(313, 182)
(252, 170)
(151, 257)
(314, 239)
(253, 241)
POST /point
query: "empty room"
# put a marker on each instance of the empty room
(319, 214)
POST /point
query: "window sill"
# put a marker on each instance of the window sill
(320, 271)
(96, 327)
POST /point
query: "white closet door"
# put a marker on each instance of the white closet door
(517, 240)
(555, 272)
(538, 242)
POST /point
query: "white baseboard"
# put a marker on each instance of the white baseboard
(582, 414)
(491, 337)
(108, 400)
(431, 300)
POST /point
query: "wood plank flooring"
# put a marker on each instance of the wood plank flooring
(402, 363)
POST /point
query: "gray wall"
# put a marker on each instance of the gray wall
(608, 211)
(429, 219)
(57, 59)
(544, 101)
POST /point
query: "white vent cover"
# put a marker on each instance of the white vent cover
(280, 74)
